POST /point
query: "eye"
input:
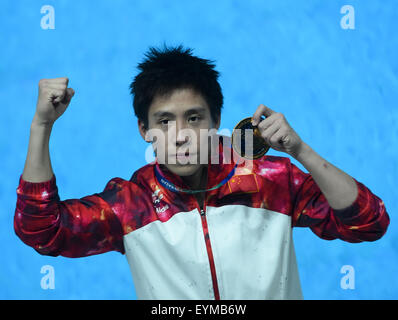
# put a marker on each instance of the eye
(194, 119)
(164, 121)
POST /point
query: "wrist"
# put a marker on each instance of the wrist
(42, 124)
(40, 130)
(302, 152)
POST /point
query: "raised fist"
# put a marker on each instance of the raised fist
(54, 98)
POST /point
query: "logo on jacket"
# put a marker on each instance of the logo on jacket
(157, 196)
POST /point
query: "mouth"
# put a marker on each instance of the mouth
(184, 155)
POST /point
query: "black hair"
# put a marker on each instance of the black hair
(172, 68)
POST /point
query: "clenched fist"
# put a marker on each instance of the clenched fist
(54, 98)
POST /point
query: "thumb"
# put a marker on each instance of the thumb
(68, 96)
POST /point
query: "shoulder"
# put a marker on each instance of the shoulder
(130, 192)
(143, 175)
(139, 176)
(271, 165)
(281, 170)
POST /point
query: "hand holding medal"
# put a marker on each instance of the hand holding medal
(272, 131)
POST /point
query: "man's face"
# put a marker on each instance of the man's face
(177, 122)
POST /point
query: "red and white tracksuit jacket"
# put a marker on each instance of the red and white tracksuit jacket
(239, 247)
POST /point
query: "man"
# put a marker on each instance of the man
(194, 229)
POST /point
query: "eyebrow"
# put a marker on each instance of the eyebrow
(198, 109)
(195, 110)
(160, 114)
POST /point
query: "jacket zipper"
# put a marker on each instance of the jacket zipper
(209, 252)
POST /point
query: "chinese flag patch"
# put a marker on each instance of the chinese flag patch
(246, 183)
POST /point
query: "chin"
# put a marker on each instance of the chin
(184, 170)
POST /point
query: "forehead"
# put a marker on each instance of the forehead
(178, 102)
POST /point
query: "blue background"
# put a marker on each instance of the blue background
(336, 87)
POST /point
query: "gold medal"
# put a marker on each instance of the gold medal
(248, 147)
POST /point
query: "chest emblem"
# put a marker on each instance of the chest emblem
(157, 197)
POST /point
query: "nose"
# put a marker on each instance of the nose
(177, 135)
(181, 136)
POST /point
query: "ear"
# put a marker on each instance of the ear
(142, 129)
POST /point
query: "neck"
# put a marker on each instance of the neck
(198, 180)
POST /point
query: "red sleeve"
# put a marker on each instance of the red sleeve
(71, 228)
(366, 219)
